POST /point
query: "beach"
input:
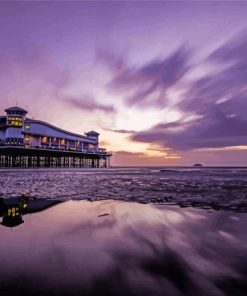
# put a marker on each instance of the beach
(121, 248)
(210, 188)
(78, 246)
(123, 140)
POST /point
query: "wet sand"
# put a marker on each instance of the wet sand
(209, 188)
(123, 248)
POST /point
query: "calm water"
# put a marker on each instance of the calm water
(123, 232)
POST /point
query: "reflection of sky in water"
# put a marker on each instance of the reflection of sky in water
(73, 250)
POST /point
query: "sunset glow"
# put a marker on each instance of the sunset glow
(158, 91)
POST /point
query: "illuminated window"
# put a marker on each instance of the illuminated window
(44, 140)
(62, 142)
(15, 121)
(12, 212)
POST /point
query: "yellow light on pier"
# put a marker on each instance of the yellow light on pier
(14, 121)
(44, 140)
(12, 212)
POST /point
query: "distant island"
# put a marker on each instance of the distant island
(197, 165)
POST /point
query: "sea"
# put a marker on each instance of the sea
(123, 231)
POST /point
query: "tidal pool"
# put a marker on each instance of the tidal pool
(120, 248)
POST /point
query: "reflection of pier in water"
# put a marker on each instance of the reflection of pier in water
(13, 209)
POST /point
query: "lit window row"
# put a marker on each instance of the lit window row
(15, 118)
(15, 121)
(72, 145)
(63, 142)
(12, 212)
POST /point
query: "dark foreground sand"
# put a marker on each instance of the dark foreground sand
(124, 248)
(208, 188)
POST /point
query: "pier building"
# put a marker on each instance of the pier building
(26, 142)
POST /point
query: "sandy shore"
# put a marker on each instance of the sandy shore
(217, 188)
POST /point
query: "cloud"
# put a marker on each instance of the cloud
(87, 103)
(114, 61)
(218, 101)
(213, 130)
(146, 84)
(224, 87)
(36, 81)
(120, 131)
(160, 158)
(35, 64)
(128, 153)
(233, 50)
(32, 78)
(159, 149)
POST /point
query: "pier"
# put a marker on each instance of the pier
(26, 142)
(28, 157)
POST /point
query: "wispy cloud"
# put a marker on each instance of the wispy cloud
(219, 100)
(148, 83)
(214, 130)
(120, 131)
(87, 103)
(34, 77)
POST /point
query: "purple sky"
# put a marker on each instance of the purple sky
(163, 82)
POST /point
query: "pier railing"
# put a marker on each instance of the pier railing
(56, 147)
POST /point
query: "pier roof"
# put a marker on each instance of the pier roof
(16, 108)
(92, 133)
(59, 129)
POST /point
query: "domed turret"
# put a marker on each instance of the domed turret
(16, 111)
(15, 118)
(92, 135)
